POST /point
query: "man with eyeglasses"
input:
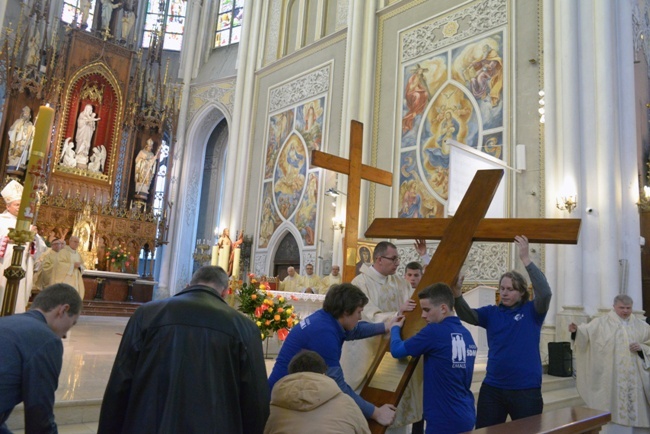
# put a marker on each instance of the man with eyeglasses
(388, 296)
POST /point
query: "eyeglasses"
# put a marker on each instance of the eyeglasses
(395, 259)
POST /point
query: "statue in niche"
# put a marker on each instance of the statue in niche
(107, 12)
(128, 20)
(84, 5)
(68, 157)
(85, 129)
(33, 49)
(145, 167)
(97, 159)
(21, 134)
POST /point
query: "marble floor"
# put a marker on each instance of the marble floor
(88, 356)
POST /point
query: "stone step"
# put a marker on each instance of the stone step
(109, 308)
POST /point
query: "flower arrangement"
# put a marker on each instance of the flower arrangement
(270, 312)
(118, 256)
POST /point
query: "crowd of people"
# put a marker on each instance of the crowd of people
(194, 351)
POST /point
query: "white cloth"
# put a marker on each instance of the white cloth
(610, 376)
(312, 282)
(8, 221)
(292, 284)
(328, 281)
(386, 294)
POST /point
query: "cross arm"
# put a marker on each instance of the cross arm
(341, 165)
(548, 231)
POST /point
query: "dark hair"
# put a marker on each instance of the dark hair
(210, 274)
(307, 361)
(414, 266)
(364, 249)
(519, 283)
(56, 295)
(381, 248)
(438, 293)
(343, 299)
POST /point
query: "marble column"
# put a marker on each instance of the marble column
(590, 146)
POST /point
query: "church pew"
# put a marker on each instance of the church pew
(570, 420)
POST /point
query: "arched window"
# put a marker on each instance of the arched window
(73, 8)
(229, 20)
(171, 20)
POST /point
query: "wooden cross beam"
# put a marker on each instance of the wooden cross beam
(456, 235)
(356, 171)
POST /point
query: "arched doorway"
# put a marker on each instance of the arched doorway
(287, 255)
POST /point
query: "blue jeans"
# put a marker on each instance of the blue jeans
(494, 404)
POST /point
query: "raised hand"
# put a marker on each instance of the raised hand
(524, 253)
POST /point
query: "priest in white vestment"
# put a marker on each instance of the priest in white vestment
(613, 367)
(45, 265)
(311, 282)
(334, 278)
(293, 282)
(388, 295)
(69, 266)
(12, 195)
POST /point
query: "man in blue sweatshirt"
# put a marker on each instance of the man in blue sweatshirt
(324, 332)
(449, 354)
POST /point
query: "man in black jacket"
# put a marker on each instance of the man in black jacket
(189, 363)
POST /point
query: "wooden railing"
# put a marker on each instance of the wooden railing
(570, 420)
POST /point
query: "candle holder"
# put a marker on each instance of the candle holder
(201, 253)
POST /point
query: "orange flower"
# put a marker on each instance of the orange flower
(276, 317)
(267, 322)
(280, 310)
(253, 296)
(282, 334)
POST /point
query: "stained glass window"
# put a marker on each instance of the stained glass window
(74, 7)
(229, 20)
(173, 22)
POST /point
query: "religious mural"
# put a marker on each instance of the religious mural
(456, 94)
(290, 191)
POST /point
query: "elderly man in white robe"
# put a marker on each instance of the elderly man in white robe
(69, 266)
(388, 295)
(45, 265)
(334, 278)
(12, 194)
(293, 282)
(613, 367)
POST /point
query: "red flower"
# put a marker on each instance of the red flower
(258, 312)
(264, 307)
(282, 334)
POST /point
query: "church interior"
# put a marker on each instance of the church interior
(180, 123)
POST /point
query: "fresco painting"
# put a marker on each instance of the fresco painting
(454, 94)
(309, 123)
(414, 198)
(280, 126)
(290, 176)
(305, 218)
(270, 219)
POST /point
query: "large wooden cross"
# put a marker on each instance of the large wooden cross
(456, 235)
(356, 171)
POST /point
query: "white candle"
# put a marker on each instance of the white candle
(215, 255)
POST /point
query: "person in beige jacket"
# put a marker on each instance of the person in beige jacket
(307, 400)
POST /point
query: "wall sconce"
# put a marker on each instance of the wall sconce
(644, 199)
(567, 203)
(334, 192)
(337, 224)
